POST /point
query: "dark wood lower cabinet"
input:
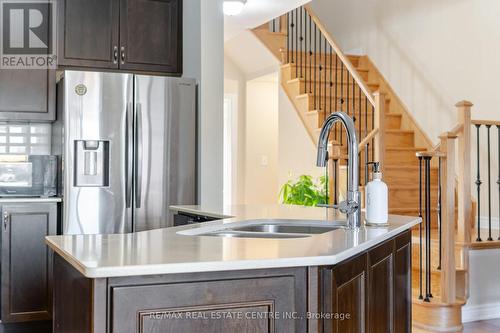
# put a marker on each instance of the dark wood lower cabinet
(367, 293)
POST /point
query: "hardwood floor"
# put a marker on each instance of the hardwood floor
(486, 326)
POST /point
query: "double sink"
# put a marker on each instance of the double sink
(267, 229)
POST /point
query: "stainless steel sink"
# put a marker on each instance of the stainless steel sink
(267, 229)
(286, 228)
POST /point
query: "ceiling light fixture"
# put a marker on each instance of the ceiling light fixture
(233, 7)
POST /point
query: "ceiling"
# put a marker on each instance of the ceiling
(255, 13)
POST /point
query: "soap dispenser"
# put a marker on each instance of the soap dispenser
(376, 198)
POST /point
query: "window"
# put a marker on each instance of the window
(25, 139)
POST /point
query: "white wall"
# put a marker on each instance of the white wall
(235, 84)
(297, 152)
(203, 54)
(484, 301)
(261, 170)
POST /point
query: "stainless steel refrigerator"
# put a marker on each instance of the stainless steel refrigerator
(128, 146)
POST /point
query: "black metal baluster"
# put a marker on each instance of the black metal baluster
(310, 54)
(331, 82)
(296, 22)
(320, 73)
(335, 183)
(439, 213)
(315, 65)
(288, 37)
(478, 185)
(326, 77)
(300, 41)
(498, 180)
(341, 89)
(373, 126)
(367, 159)
(420, 225)
(306, 51)
(354, 101)
(489, 184)
(347, 92)
(428, 293)
(291, 40)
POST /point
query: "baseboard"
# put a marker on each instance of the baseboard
(480, 312)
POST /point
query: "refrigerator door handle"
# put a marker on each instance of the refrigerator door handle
(139, 155)
(128, 155)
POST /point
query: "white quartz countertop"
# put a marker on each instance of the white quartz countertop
(165, 251)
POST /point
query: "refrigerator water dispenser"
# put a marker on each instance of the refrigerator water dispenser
(91, 163)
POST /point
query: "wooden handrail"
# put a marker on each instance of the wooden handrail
(458, 129)
(486, 122)
(368, 138)
(341, 55)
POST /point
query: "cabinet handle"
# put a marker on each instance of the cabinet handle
(5, 220)
(122, 49)
(115, 54)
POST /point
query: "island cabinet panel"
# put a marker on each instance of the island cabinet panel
(344, 287)
(402, 284)
(26, 261)
(373, 289)
(380, 294)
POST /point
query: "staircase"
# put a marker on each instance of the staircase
(319, 79)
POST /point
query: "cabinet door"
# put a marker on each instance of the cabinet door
(344, 296)
(88, 33)
(380, 296)
(151, 35)
(26, 262)
(27, 94)
(402, 283)
(251, 305)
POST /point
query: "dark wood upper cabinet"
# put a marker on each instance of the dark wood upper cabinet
(27, 94)
(151, 35)
(88, 33)
(132, 35)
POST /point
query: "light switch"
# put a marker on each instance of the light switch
(264, 160)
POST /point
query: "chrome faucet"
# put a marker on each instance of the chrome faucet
(351, 206)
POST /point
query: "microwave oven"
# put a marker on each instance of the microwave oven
(32, 176)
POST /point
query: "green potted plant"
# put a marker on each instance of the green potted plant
(305, 191)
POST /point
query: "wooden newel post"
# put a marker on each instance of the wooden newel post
(448, 270)
(465, 220)
(380, 124)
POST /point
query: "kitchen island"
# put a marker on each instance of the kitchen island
(178, 280)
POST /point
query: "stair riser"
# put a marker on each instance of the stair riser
(308, 103)
(393, 121)
(289, 72)
(304, 58)
(406, 198)
(415, 253)
(403, 177)
(400, 139)
(302, 87)
(437, 318)
(401, 157)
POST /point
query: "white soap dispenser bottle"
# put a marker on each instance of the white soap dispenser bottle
(376, 199)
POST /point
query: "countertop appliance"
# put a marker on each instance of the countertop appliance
(28, 176)
(128, 146)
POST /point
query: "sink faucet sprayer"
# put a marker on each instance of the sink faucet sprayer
(351, 206)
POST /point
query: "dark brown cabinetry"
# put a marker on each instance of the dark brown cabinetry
(27, 95)
(133, 35)
(26, 262)
(373, 289)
